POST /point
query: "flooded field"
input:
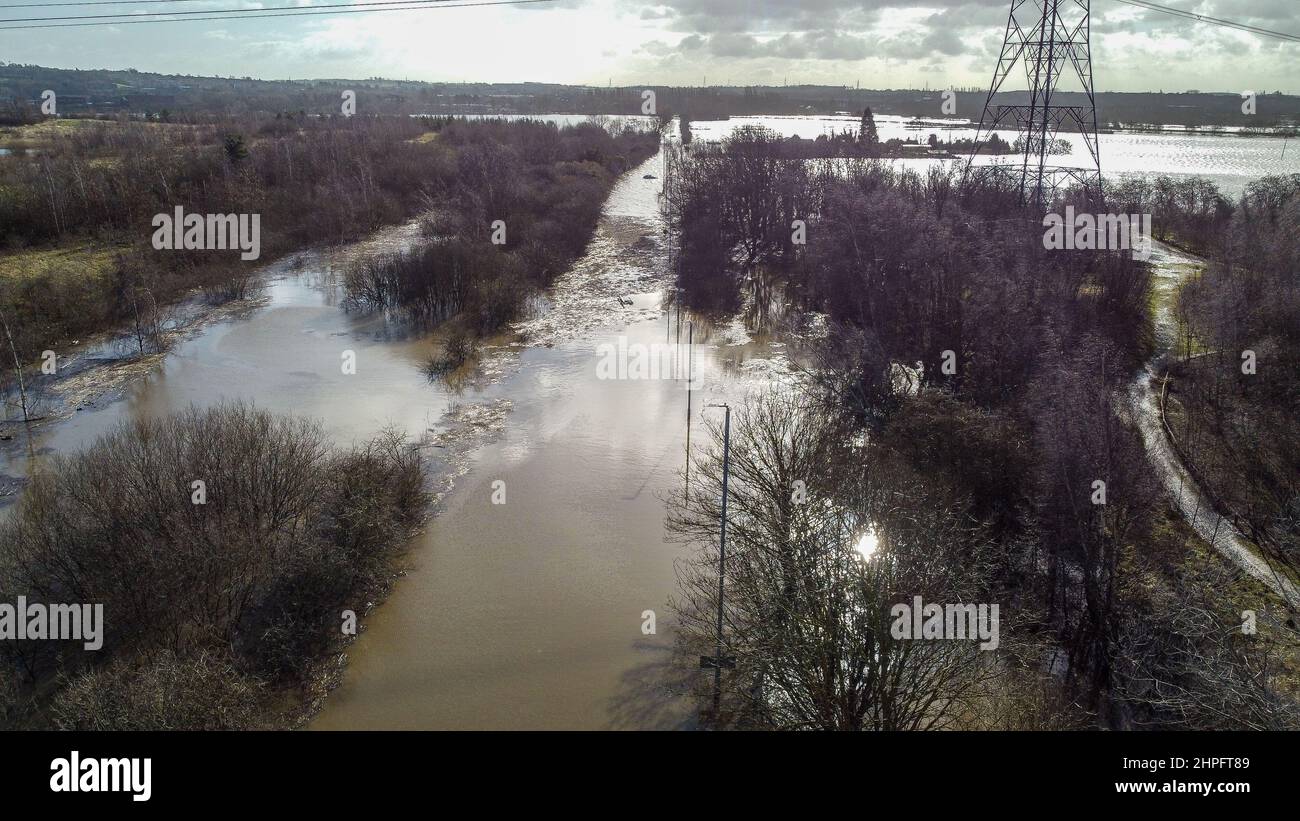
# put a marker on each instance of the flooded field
(1231, 161)
(526, 614)
(525, 600)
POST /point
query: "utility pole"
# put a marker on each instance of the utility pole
(718, 660)
(690, 384)
(690, 358)
(668, 331)
(677, 346)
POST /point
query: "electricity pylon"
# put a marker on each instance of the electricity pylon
(1043, 35)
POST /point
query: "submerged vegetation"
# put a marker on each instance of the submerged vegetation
(232, 551)
(227, 547)
(515, 205)
(76, 249)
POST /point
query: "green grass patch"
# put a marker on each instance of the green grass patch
(82, 260)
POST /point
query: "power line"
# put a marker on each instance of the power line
(1205, 18)
(46, 5)
(240, 11)
(409, 5)
(255, 14)
(95, 3)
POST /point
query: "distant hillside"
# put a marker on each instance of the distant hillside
(108, 92)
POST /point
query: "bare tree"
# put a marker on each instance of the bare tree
(808, 611)
(18, 366)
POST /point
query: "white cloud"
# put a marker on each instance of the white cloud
(890, 43)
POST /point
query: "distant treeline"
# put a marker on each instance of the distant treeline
(848, 144)
(109, 92)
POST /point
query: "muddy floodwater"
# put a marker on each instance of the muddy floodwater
(525, 614)
(530, 614)
(527, 602)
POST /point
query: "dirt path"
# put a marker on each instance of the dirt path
(1171, 268)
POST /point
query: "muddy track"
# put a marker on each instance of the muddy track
(1171, 268)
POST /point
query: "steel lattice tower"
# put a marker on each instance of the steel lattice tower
(1043, 35)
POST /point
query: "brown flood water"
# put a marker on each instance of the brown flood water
(520, 615)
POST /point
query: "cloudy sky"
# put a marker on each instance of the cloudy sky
(879, 43)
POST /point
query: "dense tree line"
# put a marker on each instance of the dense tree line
(115, 92)
(964, 401)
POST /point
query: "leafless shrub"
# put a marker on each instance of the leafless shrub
(1188, 664)
(206, 691)
(233, 287)
(257, 561)
(457, 349)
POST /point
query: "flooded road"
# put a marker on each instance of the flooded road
(530, 614)
(526, 614)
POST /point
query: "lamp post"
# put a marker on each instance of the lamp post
(718, 660)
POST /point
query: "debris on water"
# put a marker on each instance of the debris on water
(621, 259)
(649, 177)
(736, 334)
(10, 485)
(462, 430)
